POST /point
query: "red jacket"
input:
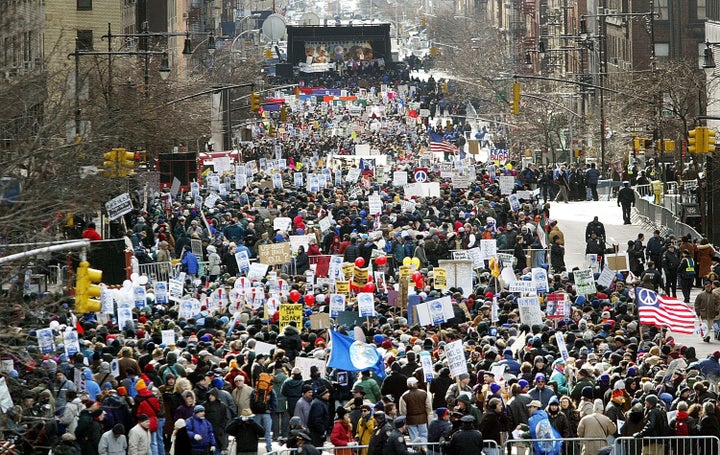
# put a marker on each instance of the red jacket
(91, 234)
(341, 436)
(150, 406)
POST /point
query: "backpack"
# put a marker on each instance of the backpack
(261, 394)
(681, 427)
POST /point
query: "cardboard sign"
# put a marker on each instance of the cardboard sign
(618, 262)
(274, 253)
(455, 354)
(319, 321)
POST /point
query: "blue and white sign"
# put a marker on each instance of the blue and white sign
(139, 296)
(161, 292)
(421, 176)
(366, 304)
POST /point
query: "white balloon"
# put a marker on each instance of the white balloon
(142, 280)
(134, 277)
(127, 284)
(54, 325)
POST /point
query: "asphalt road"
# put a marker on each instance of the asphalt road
(574, 217)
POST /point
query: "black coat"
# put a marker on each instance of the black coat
(466, 442)
(395, 384)
(246, 433)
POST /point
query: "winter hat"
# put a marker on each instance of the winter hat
(441, 412)
(587, 392)
(494, 387)
(523, 383)
(199, 408)
(140, 385)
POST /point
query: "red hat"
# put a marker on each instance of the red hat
(142, 319)
(318, 341)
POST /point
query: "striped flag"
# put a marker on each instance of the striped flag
(439, 144)
(662, 311)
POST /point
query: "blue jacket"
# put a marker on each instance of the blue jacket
(543, 395)
(540, 428)
(512, 365)
(202, 427)
(709, 367)
(190, 263)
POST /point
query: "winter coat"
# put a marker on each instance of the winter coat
(278, 380)
(88, 433)
(561, 423)
(704, 257)
(202, 427)
(110, 445)
(595, 425)
(466, 441)
(150, 406)
(217, 414)
(246, 434)
(341, 436)
(540, 428)
(319, 416)
(707, 306)
(291, 389)
(365, 428)
(139, 441)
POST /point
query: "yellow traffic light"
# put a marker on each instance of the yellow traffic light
(669, 145)
(515, 106)
(709, 141)
(267, 53)
(636, 144)
(695, 140)
(254, 102)
(85, 288)
(110, 164)
(126, 162)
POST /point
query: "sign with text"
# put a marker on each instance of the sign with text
(274, 253)
(291, 312)
(119, 206)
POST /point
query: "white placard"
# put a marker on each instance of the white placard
(325, 224)
(243, 260)
(299, 240)
(427, 365)
(507, 184)
(584, 282)
(175, 289)
(119, 206)
(263, 348)
(352, 175)
(161, 292)
(488, 248)
(305, 364)
(168, 337)
(540, 279)
(530, 312)
(606, 277)
(562, 347)
(257, 271)
(282, 224)
(366, 304)
(455, 354)
(400, 178)
(71, 342)
(337, 304)
(210, 200)
(46, 341)
(524, 286)
(107, 303)
(375, 205)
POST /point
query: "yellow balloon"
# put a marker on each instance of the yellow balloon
(407, 261)
(416, 262)
(509, 166)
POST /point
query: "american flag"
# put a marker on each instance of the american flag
(439, 144)
(662, 311)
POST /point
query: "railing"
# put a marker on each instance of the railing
(570, 446)
(432, 447)
(651, 216)
(671, 445)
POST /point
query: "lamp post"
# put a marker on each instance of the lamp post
(164, 73)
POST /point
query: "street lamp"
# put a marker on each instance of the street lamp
(164, 73)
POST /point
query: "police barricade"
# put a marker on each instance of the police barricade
(160, 271)
(570, 446)
(667, 445)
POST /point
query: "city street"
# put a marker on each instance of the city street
(573, 219)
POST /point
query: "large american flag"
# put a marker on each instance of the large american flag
(662, 311)
(439, 144)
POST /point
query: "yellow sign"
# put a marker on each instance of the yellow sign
(342, 287)
(440, 278)
(405, 271)
(347, 269)
(360, 277)
(291, 312)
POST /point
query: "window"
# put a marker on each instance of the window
(701, 13)
(85, 40)
(84, 5)
(662, 50)
(662, 10)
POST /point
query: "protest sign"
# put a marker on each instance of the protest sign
(319, 321)
(455, 355)
(274, 253)
(400, 178)
(555, 306)
(337, 304)
(342, 287)
(584, 282)
(530, 313)
(524, 286)
(366, 304)
(562, 347)
(291, 312)
(168, 337)
(440, 275)
(507, 184)
(540, 279)
(305, 365)
(606, 277)
(282, 224)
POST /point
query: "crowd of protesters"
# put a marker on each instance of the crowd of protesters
(126, 391)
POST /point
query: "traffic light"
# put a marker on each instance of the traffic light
(110, 164)
(515, 106)
(696, 140)
(118, 163)
(126, 162)
(267, 53)
(636, 144)
(85, 288)
(254, 102)
(709, 141)
(283, 114)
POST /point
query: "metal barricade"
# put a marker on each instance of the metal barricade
(158, 271)
(651, 216)
(668, 445)
(570, 446)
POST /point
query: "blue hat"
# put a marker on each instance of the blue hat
(399, 421)
(523, 383)
(199, 408)
(107, 385)
(539, 377)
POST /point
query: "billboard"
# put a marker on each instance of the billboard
(318, 44)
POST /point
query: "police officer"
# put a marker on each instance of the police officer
(626, 198)
(468, 439)
(396, 441)
(304, 445)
